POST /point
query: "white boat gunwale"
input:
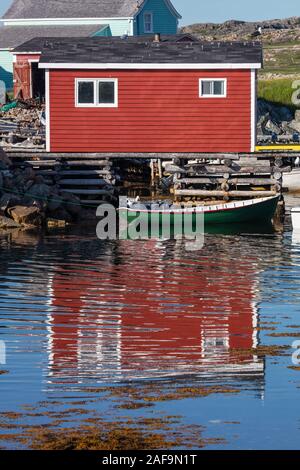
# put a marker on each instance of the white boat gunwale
(202, 209)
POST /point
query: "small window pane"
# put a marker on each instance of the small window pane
(206, 88)
(86, 93)
(219, 88)
(148, 23)
(106, 92)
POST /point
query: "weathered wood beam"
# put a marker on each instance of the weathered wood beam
(82, 182)
(204, 193)
(234, 181)
(89, 191)
(218, 169)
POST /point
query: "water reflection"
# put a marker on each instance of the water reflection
(150, 309)
(76, 313)
(117, 311)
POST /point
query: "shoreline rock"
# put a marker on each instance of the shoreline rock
(26, 201)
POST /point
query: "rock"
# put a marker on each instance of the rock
(39, 203)
(273, 118)
(18, 179)
(1, 180)
(28, 185)
(39, 191)
(295, 125)
(72, 204)
(7, 201)
(55, 202)
(39, 179)
(28, 174)
(25, 215)
(297, 115)
(9, 184)
(272, 127)
(5, 162)
(284, 113)
(5, 222)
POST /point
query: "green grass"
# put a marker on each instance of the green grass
(278, 91)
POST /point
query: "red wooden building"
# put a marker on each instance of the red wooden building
(139, 95)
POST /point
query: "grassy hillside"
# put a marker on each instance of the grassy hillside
(277, 91)
(282, 59)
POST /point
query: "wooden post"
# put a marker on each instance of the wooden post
(160, 172)
(152, 172)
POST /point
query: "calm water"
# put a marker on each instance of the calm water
(78, 313)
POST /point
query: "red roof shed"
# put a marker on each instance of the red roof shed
(139, 95)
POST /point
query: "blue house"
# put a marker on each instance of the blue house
(27, 19)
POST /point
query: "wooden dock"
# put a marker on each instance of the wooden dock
(96, 177)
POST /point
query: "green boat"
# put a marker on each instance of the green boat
(253, 210)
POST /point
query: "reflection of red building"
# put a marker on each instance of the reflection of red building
(151, 314)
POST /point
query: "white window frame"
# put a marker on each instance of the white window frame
(224, 80)
(144, 18)
(96, 103)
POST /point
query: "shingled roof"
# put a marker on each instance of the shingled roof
(22, 9)
(141, 50)
(13, 36)
(39, 43)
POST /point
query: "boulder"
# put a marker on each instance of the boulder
(297, 115)
(295, 125)
(39, 191)
(72, 204)
(25, 215)
(55, 202)
(5, 162)
(28, 174)
(5, 223)
(39, 179)
(272, 127)
(7, 201)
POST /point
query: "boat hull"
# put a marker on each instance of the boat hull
(259, 210)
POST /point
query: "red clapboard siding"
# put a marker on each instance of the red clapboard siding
(159, 111)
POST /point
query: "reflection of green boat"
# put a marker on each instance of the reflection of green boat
(262, 209)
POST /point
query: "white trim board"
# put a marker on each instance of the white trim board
(26, 53)
(47, 99)
(212, 95)
(126, 66)
(96, 103)
(253, 110)
(88, 18)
